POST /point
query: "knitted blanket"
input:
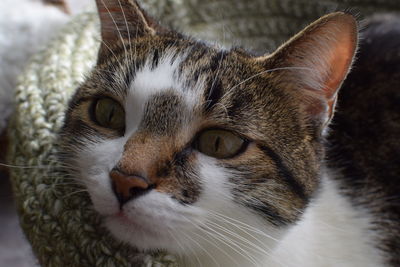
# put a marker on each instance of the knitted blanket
(56, 214)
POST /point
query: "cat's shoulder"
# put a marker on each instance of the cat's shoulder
(364, 139)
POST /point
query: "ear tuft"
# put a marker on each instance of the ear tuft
(318, 60)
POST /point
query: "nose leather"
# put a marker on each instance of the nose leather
(127, 187)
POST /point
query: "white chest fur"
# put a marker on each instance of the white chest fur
(331, 233)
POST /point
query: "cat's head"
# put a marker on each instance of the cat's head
(183, 144)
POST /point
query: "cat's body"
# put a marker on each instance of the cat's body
(217, 155)
(364, 143)
(332, 232)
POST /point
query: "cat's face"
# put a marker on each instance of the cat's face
(181, 143)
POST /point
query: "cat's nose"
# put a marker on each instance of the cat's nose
(127, 187)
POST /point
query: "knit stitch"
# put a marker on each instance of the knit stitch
(55, 213)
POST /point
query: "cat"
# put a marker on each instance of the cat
(226, 158)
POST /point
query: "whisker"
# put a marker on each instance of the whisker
(252, 245)
(244, 225)
(198, 244)
(194, 253)
(74, 193)
(263, 72)
(213, 244)
(231, 244)
(177, 242)
(64, 184)
(128, 32)
(226, 240)
(264, 251)
(25, 167)
(111, 51)
(212, 236)
(118, 30)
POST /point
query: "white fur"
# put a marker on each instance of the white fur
(25, 26)
(148, 82)
(95, 162)
(226, 228)
(332, 232)
(155, 220)
(216, 231)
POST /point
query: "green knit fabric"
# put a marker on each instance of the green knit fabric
(56, 216)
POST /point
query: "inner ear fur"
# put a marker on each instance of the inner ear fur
(317, 60)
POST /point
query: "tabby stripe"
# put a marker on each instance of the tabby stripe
(205, 68)
(198, 52)
(156, 59)
(213, 92)
(284, 171)
(270, 213)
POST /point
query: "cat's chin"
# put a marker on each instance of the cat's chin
(148, 223)
(129, 231)
(143, 236)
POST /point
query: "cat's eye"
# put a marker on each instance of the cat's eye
(221, 144)
(109, 114)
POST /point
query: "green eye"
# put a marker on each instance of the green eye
(219, 143)
(109, 114)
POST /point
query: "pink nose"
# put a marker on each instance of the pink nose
(127, 187)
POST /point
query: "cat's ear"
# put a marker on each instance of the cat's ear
(317, 61)
(123, 20)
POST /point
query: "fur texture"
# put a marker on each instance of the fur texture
(254, 208)
(364, 145)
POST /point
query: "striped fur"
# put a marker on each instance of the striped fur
(246, 210)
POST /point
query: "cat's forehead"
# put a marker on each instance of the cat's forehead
(173, 88)
(183, 74)
(167, 57)
(158, 98)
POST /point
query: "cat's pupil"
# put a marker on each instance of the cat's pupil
(217, 143)
(111, 114)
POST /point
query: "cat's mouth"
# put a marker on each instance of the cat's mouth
(124, 221)
(148, 223)
(145, 231)
(122, 217)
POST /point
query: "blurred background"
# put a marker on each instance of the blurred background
(25, 27)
